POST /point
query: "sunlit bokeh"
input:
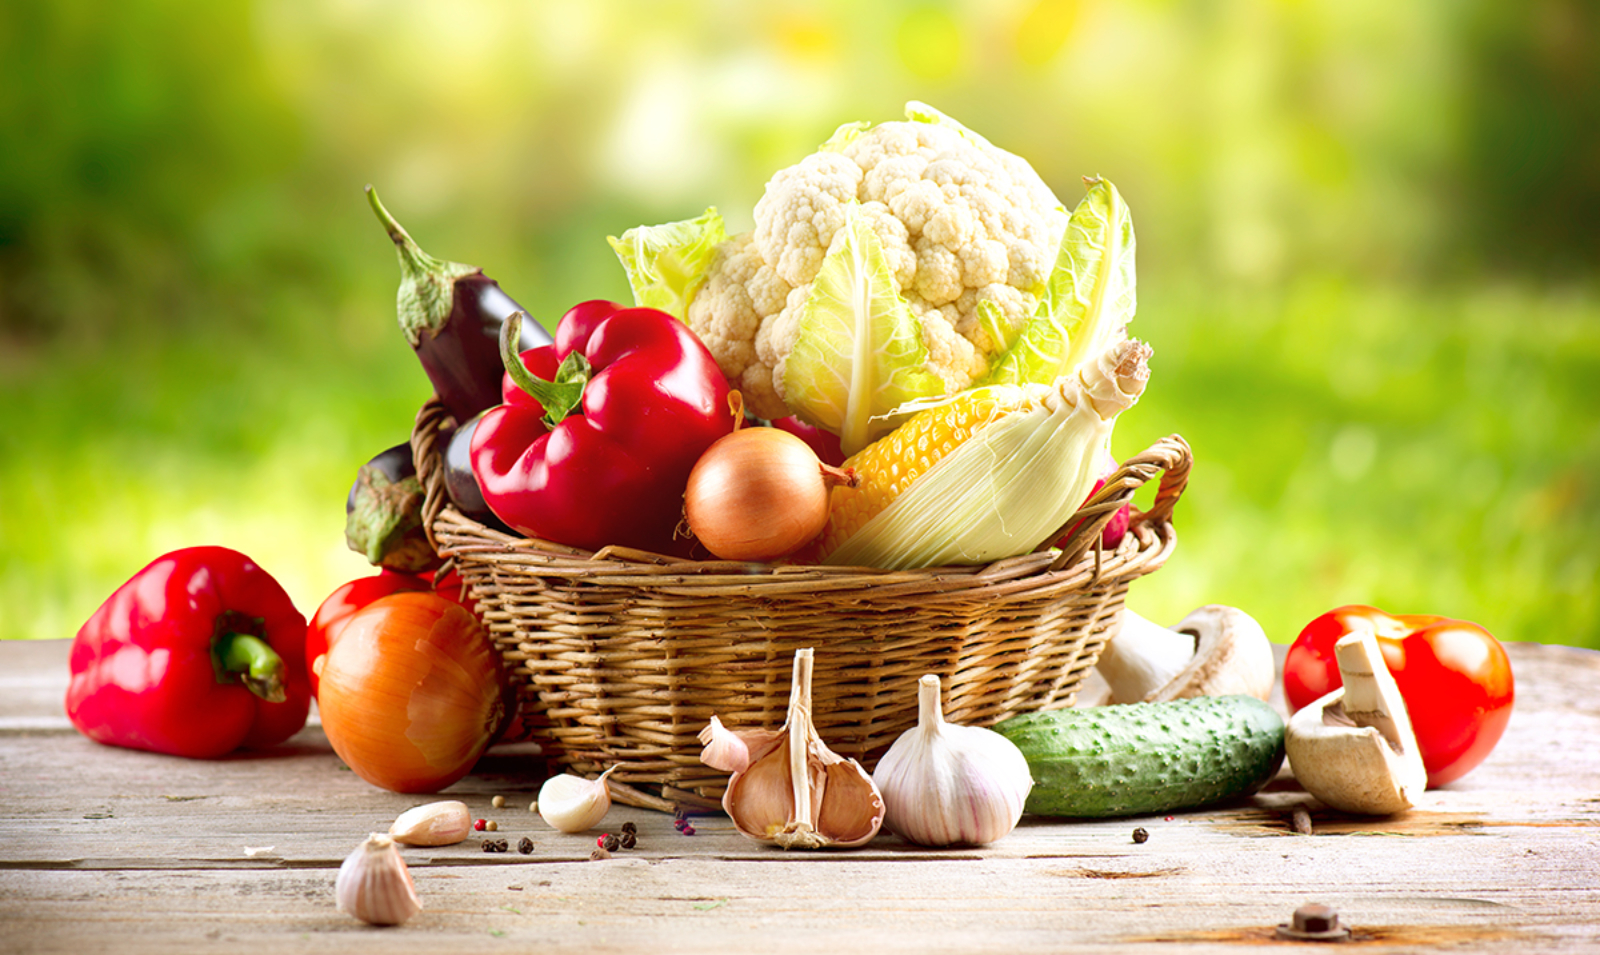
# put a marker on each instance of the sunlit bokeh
(1366, 257)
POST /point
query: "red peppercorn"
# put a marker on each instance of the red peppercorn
(480, 824)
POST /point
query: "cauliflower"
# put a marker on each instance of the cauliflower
(961, 223)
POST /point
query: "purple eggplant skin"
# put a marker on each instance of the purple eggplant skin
(452, 315)
(459, 482)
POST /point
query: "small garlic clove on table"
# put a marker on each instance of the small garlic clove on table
(573, 804)
(788, 788)
(374, 884)
(442, 823)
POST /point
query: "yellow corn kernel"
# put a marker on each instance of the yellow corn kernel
(889, 465)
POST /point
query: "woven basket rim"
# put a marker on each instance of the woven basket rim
(1169, 460)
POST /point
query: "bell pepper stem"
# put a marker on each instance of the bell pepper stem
(248, 659)
(558, 397)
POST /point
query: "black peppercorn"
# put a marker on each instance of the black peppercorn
(1140, 835)
(628, 840)
(610, 843)
(494, 845)
(524, 845)
(630, 828)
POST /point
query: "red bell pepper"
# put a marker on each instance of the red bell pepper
(1453, 675)
(198, 654)
(598, 432)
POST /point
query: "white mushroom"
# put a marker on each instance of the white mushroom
(1353, 749)
(1214, 651)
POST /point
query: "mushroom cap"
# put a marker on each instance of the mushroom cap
(1232, 656)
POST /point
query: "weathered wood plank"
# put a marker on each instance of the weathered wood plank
(106, 849)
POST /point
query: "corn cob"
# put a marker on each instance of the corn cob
(986, 476)
(889, 465)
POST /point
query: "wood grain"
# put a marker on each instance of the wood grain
(103, 849)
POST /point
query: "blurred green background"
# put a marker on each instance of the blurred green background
(1367, 257)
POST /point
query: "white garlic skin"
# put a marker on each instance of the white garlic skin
(573, 804)
(948, 785)
(435, 824)
(374, 884)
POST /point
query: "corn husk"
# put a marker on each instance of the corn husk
(1015, 483)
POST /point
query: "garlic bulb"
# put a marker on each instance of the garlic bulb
(946, 784)
(435, 824)
(573, 804)
(788, 788)
(374, 884)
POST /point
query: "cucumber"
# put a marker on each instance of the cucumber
(1143, 758)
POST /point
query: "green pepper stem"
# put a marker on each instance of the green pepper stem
(247, 658)
(558, 397)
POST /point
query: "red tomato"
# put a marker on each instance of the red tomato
(1454, 676)
(330, 618)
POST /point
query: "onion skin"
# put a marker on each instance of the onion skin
(413, 692)
(759, 494)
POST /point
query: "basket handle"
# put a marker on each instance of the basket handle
(429, 432)
(1170, 457)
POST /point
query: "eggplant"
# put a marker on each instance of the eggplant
(459, 482)
(452, 315)
(383, 514)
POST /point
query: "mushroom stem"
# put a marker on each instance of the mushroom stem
(1143, 657)
(1214, 651)
(1354, 748)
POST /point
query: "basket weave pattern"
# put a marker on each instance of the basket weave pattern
(621, 656)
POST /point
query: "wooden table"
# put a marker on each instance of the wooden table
(109, 850)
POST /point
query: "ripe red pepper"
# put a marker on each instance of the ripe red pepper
(1453, 675)
(198, 654)
(598, 432)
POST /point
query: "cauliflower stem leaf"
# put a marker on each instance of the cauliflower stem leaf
(666, 264)
(1088, 299)
(858, 353)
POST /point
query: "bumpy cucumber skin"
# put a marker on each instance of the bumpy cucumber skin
(1143, 758)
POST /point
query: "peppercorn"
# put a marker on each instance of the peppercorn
(609, 842)
(630, 828)
(498, 802)
(525, 845)
(1140, 835)
(479, 824)
(491, 826)
(494, 845)
(599, 854)
(628, 840)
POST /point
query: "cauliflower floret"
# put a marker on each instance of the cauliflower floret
(960, 222)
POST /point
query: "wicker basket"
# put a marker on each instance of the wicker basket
(622, 657)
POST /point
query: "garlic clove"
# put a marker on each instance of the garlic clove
(442, 823)
(792, 790)
(945, 784)
(733, 752)
(374, 884)
(573, 804)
